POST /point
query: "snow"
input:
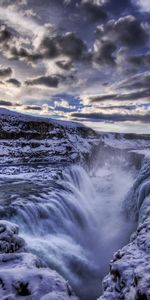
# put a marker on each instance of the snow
(144, 152)
(22, 274)
(130, 267)
(26, 117)
(125, 141)
(42, 141)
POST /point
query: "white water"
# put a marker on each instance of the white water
(77, 224)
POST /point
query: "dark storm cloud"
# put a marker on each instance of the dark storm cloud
(102, 97)
(123, 97)
(48, 81)
(11, 46)
(130, 31)
(71, 46)
(14, 82)
(134, 96)
(5, 34)
(120, 107)
(23, 53)
(8, 103)
(127, 31)
(68, 44)
(5, 103)
(5, 72)
(33, 107)
(49, 47)
(113, 117)
(104, 53)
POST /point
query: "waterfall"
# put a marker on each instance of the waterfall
(137, 196)
(75, 223)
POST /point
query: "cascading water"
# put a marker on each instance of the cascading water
(75, 223)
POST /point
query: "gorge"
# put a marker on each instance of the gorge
(75, 205)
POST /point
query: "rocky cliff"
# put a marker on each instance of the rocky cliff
(129, 276)
(29, 139)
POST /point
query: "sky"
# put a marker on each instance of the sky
(79, 60)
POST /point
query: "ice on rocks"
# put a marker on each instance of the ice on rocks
(22, 274)
(129, 276)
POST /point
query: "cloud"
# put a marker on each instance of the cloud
(5, 72)
(102, 97)
(122, 97)
(9, 103)
(5, 34)
(127, 31)
(68, 45)
(11, 45)
(138, 81)
(71, 46)
(5, 103)
(64, 64)
(140, 60)
(144, 5)
(48, 81)
(33, 107)
(23, 53)
(104, 53)
(130, 31)
(113, 117)
(44, 46)
(15, 18)
(120, 107)
(14, 82)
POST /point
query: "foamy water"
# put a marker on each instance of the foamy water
(76, 223)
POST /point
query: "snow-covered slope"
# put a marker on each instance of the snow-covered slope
(29, 139)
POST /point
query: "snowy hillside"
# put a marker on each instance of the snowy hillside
(29, 139)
